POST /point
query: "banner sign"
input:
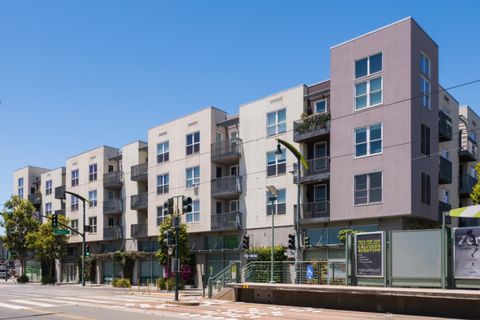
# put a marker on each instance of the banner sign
(369, 254)
(466, 252)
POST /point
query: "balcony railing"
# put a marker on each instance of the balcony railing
(113, 179)
(139, 230)
(227, 221)
(35, 199)
(112, 206)
(466, 184)
(318, 170)
(315, 211)
(445, 171)
(227, 186)
(468, 150)
(444, 127)
(139, 172)
(227, 151)
(139, 201)
(312, 126)
(113, 233)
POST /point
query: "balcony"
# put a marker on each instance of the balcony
(35, 199)
(468, 151)
(139, 230)
(113, 180)
(112, 206)
(139, 172)
(445, 171)
(465, 185)
(139, 201)
(227, 151)
(318, 170)
(112, 233)
(313, 212)
(310, 127)
(227, 187)
(443, 207)
(444, 127)
(226, 221)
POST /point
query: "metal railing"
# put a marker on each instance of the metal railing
(227, 185)
(316, 166)
(113, 233)
(227, 221)
(445, 171)
(312, 126)
(112, 206)
(139, 230)
(113, 179)
(230, 274)
(444, 127)
(227, 149)
(139, 201)
(468, 150)
(315, 210)
(466, 183)
(139, 172)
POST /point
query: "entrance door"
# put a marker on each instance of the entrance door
(70, 272)
(320, 156)
(320, 199)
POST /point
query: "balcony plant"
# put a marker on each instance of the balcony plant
(309, 122)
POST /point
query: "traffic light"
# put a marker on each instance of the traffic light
(54, 221)
(306, 242)
(87, 251)
(186, 204)
(168, 207)
(291, 241)
(168, 238)
(246, 242)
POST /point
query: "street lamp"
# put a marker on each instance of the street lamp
(273, 191)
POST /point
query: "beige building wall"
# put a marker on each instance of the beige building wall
(57, 178)
(31, 180)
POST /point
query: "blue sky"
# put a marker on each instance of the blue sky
(78, 74)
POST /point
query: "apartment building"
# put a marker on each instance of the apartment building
(386, 146)
(27, 185)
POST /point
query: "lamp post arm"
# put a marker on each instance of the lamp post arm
(295, 151)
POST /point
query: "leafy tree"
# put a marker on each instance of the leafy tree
(162, 252)
(47, 246)
(475, 195)
(342, 234)
(19, 221)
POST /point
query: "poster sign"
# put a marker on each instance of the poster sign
(309, 272)
(466, 252)
(369, 254)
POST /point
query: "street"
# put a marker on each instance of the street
(34, 301)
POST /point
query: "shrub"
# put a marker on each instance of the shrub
(171, 283)
(121, 283)
(48, 280)
(23, 279)
(162, 283)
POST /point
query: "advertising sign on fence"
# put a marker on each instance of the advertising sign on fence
(309, 271)
(369, 254)
(466, 252)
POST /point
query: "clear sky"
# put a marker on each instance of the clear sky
(78, 74)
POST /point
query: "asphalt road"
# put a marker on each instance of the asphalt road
(37, 302)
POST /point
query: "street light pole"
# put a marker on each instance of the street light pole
(273, 198)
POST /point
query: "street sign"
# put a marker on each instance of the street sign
(309, 272)
(61, 232)
(290, 253)
(252, 256)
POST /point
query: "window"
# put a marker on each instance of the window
(424, 65)
(48, 208)
(368, 188)
(74, 177)
(48, 187)
(193, 143)
(234, 205)
(74, 225)
(162, 183)
(74, 203)
(194, 216)
(276, 164)
(160, 215)
(426, 188)
(280, 205)
(368, 65)
(92, 172)
(445, 196)
(425, 92)
(92, 198)
(92, 222)
(425, 140)
(320, 105)
(163, 151)
(368, 140)
(368, 93)
(193, 177)
(276, 122)
(20, 187)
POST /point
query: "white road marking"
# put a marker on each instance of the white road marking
(12, 306)
(88, 300)
(34, 303)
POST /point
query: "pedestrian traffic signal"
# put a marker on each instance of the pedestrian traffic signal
(87, 251)
(168, 207)
(291, 241)
(186, 204)
(54, 221)
(246, 243)
(168, 238)
(306, 242)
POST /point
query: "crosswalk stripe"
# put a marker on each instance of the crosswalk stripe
(34, 303)
(12, 306)
(88, 300)
(56, 301)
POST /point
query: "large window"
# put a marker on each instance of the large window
(20, 187)
(74, 177)
(425, 140)
(193, 143)
(424, 65)
(368, 188)
(74, 226)
(368, 65)
(368, 93)
(425, 91)
(276, 164)
(426, 188)
(74, 203)
(163, 183)
(320, 105)
(163, 152)
(92, 172)
(192, 177)
(48, 187)
(276, 122)
(48, 208)
(368, 140)
(92, 222)
(280, 204)
(194, 216)
(92, 198)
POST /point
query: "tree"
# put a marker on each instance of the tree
(475, 195)
(18, 221)
(342, 234)
(162, 252)
(48, 246)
